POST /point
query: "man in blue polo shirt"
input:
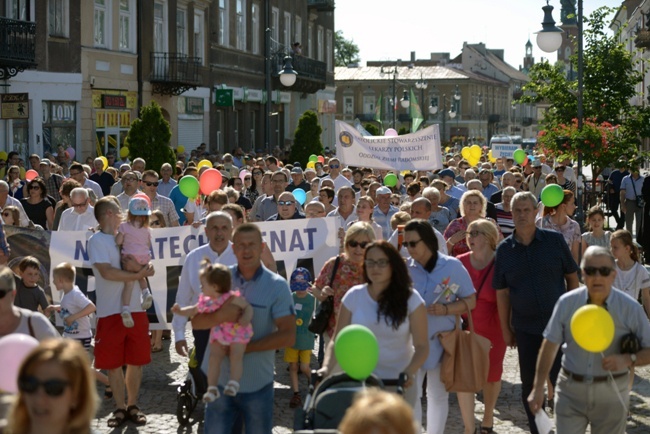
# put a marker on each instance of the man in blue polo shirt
(274, 327)
(533, 268)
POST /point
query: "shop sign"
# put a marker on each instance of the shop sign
(15, 106)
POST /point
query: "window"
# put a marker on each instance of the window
(369, 104)
(319, 43)
(159, 34)
(348, 105)
(127, 21)
(329, 50)
(59, 124)
(240, 24)
(310, 40)
(298, 31)
(275, 24)
(255, 28)
(199, 19)
(101, 25)
(286, 35)
(223, 23)
(58, 18)
(19, 10)
(181, 31)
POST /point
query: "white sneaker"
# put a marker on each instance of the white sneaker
(147, 299)
(127, 319)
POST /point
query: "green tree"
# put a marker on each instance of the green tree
(612, 126)
(149, 138)
(372, 129)
(306, 138)
(345, 51)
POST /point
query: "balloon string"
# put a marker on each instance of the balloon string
(611, 377)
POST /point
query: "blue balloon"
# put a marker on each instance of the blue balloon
(300, 195)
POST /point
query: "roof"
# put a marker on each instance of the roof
(343, 73)
(497, 62)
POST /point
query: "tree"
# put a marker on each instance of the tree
(149, 138)
(372, 129)
(612, 126)
(346, 51)
(306, 138)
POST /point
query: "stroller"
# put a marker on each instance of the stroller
(326, 404)
(190, 391)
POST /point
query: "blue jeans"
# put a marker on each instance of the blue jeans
(256, 408)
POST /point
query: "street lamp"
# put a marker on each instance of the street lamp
(479, 102)
(549, 39)
(433, 109)
(288, 76)
(422, 85)
(394, 72)
(404, 102)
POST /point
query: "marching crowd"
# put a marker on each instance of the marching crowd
(416, 250)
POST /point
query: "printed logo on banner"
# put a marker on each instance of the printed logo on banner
(346, 139)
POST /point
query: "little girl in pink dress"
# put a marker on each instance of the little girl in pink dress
(216, 292)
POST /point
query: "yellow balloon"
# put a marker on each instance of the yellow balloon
(592, 327)
(447, 149)
(490, 157)
(180, 149)
(3, 155)
(475, 151)
(124, 152)
(465, 152)
(473, 161)
(203, 163)
(311, 165)
(105, 160)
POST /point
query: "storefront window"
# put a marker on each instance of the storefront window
(59, 125)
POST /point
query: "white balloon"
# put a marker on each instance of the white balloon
(13, 350)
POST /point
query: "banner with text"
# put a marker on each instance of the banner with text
(307, 243)
(416, 151)
(504, 150)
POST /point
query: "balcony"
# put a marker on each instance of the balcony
(17, 47)
(321, 5)
(312, 74)
(174, 73)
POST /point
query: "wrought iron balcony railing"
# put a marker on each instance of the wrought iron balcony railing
(174, 73)
(17, 46)
(321, 5)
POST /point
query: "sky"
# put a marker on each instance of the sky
(390, 29)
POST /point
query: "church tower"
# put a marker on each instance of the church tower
(569, 17)
(529, 60)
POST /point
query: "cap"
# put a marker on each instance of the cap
(46, 161)
(296, 171)
(139, 206)
(536, 163)
(300, 279)
(383, 190)
(447, 172)
(310, 170)
(297, 164)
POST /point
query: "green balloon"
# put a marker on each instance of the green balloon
(357, 351)
(552, 195)
(313, 157)
(519, 156)
(390, 180)
(189, 186)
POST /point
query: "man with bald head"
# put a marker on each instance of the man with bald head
(81, 215)
(420, 209)
(507, 180)
(287, 208)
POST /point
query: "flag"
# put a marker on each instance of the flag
(379, 110)
(415, 112)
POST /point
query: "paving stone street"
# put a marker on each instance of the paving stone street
(167, 370)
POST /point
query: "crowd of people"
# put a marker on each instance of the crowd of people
(415, 252)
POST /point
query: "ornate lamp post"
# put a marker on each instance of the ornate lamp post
(394, 72)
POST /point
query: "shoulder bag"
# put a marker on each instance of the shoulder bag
(640, 201)
(321, 320)
(465, 358)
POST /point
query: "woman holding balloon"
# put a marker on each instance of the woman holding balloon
(447, 291)
(590, 323)
(393, 311)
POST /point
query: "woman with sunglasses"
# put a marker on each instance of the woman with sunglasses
(56, 391)
(38, 207)
(387, 304)
(564, 182)
(447, 291)
(17, 187)
(252, 184)
(335, 282)
(472, 207)
(482, 238)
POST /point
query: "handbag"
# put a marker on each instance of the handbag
(465, 358)
(319, 322)
(640, 201)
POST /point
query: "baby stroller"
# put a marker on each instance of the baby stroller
(326, 404)
(190, 391)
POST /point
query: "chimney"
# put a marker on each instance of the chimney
(412, 56)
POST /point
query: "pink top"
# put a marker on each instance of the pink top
(136, 240)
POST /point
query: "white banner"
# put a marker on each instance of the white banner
(307, 243)
(504, 150)
(416, 151)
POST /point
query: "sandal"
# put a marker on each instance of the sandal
(156, 349)
(486, 430)
(135, 415)
(211, 395)
(119, 417)
(108, 392)
(231, 388)
(296, 400)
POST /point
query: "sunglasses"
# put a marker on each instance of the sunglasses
(285, 202)
(334, 166)
(79, 205)
(411, 244)
(154, 223)
(151, 184)
(247, 178)
(603, 271)
(474, 234)
(53, 387)
(257, 173)
(355, 244)
(380, 263)
(34, 187)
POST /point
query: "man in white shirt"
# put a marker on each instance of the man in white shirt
(80, 216)
(130, 181)
(78, 173)
(335, 175)
(218, 230)
(346, 211)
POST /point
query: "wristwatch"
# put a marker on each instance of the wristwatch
(633, 358)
